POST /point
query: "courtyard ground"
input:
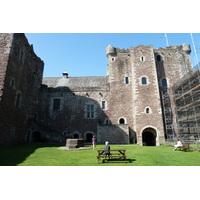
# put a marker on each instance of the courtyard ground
(44, 154)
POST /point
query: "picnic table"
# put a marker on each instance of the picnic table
(113, 154)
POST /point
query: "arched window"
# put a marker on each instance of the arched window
(144, 81)
(12, 83)
(142, 58)
(56, 104)
(159, 58)
(121, 121)
(164, 82)
(18, 100)
(147, 110)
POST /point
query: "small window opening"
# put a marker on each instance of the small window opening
(164, 82)
(144, 80)
(103, 105)
(12, 83)
(159, 58)
(113, 59)
(122, 121)
(147, 110)
(126, 80)
(142, 58)
(56, 104)
(107, 121)
(21, 56)
(18, 100)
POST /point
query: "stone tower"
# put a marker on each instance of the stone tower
(135, 93)
(20, 81)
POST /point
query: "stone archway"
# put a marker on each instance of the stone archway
(36, 136)
(149, 137)
(76, 136)
(89, 137)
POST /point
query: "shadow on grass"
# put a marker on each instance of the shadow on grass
(16, 154)
(117, 160)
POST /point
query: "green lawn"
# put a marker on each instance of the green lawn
(50, 155)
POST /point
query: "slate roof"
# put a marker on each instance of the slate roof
(77, 82)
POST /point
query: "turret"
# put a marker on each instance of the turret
(186, 48)
(110, 51)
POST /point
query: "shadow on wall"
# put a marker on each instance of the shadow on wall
(164, 95)
(115, 134)
(63, 114)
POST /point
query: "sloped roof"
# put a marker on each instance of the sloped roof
(76, 82)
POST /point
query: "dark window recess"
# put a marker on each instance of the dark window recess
(21, 56)
(159, 58)
(147, 110)
(142, 58)
(144, 80)
(122, 121)
(103, 105)
(56, 104)
(90, 111)
(18, 100)
(164, 82)
(126, 80)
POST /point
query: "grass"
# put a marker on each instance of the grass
(50, 155)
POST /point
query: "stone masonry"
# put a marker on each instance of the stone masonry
(20, 81)
(126, 106)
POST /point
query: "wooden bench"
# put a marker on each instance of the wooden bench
(185, 146)
(114, 154)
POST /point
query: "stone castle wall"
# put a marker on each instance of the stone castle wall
(22, 72)
(126, 106)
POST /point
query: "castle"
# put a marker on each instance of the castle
(130, 105)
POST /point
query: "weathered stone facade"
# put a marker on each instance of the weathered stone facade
(126, 106)
(20, 81)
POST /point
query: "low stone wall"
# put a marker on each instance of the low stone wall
(114, 134)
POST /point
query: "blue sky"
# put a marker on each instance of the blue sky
(83, 54)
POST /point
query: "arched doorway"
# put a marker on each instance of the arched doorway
(36, 136)
(89, 137)
(149, 137)
(76, 136)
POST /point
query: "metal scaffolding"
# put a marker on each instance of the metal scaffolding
(186, 94)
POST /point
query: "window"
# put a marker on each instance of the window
(159, 58)
(56, 104)
(107, 121)
(113, 59)
(147, 110)
(103, 105)
(121, 121)
(144, 81)
(142, 58)
(18, 100)
(12, 83)
(164, 82)
(12, 131)
(90, 111)
(21, 56)
(126, 80)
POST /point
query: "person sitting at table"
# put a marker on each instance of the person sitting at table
(178, 145)
(106, 149)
